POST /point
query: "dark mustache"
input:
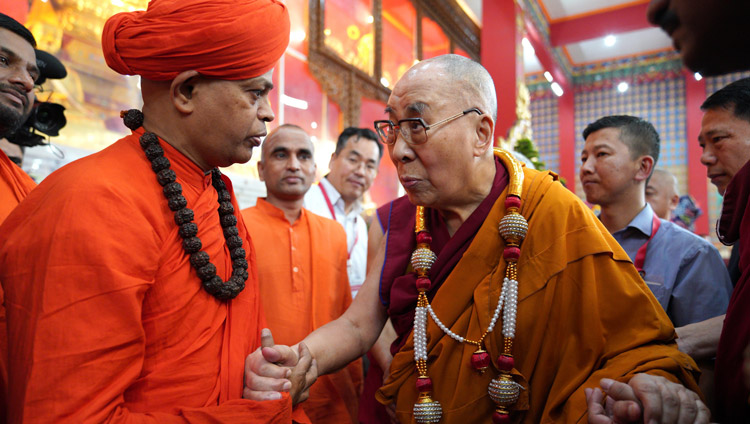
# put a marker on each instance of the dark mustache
(9, 87)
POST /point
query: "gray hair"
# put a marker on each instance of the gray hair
(472, 76)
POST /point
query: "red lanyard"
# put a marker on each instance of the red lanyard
(640, 257)
(333, 214)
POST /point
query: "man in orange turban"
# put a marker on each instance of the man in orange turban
(130, 279)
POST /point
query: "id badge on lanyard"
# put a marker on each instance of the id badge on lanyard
(640, 256)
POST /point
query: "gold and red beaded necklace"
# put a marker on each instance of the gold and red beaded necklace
(503, 390)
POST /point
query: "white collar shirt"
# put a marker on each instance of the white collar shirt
(354, 225)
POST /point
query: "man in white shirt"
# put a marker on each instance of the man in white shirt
(354, 166)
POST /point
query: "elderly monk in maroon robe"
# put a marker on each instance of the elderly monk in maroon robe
(510, 300)
(130, 279)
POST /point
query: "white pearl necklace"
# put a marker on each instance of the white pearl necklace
(503, 390)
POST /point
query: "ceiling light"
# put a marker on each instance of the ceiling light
(297, 36)
(698, 76)
(292, 102)
(548, 76)
(527, 47)
(370, 19)
(622, 87)
(556, 89)
(610, 40)
(313, 125)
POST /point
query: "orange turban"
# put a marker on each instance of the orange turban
(225, 39)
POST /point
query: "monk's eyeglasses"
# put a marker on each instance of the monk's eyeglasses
(412, 130)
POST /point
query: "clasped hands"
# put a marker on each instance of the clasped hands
(273, 369)
(646, 399)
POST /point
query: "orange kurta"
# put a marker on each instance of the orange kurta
(15, 185)
(107, 320)
(583, 314)
(303, 285)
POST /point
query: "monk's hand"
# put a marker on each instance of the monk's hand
(303, 375)
(645, 398)
(267, 370)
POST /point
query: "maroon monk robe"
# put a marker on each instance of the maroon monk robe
(398, 292)
(731, 392)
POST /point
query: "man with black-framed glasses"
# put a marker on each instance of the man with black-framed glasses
(498, 326)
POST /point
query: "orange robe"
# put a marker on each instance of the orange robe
(15, 184)
(303, 285)
(107, 320)
(583, 314)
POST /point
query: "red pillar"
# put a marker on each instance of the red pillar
(695, 94)
(567, 137)
(500, 37)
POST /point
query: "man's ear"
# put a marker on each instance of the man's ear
(330, 162)
(646, 166)
(260, 170)
(182, 91)
(673, 202)
(484, 131)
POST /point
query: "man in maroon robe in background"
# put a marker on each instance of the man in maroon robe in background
(725, 139)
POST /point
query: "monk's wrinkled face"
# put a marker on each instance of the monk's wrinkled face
(608, 170)
(18, 71)
(434, 174)
(231, 117)
(287, 166)
(710, 34)
(725, 140)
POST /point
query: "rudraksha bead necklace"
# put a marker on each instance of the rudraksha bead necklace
(503, 390)
(183, 217)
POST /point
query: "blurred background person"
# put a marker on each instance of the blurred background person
(338, 195)
(301, 261)
(662, 193)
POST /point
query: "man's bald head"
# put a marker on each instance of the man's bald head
(468, 77)
(662, 193)
(278, 133)
(454, 99)
(287, 165)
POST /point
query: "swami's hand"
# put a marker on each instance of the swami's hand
(267, 370)
(645, 398)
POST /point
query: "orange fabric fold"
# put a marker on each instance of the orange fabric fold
(225, 39)
(583, 314)
(107, 320)
(304, 285)
(15, 185)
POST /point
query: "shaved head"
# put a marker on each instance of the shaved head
(666, 179)
(470, 78)
(265, 148)
(455, 97)
(662, 193)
